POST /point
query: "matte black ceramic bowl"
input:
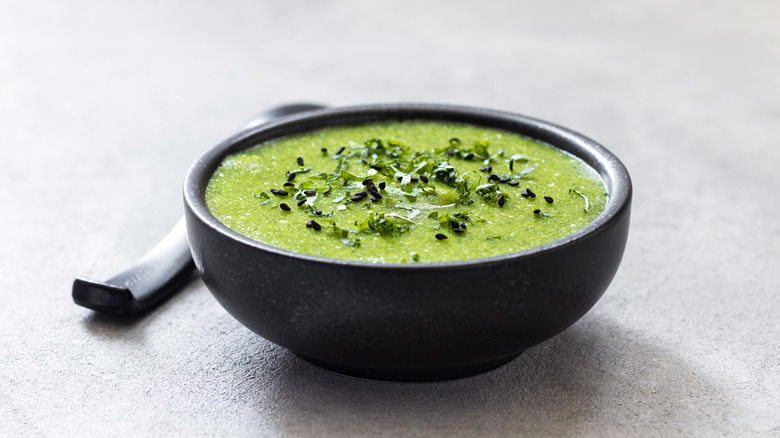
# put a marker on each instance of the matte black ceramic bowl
(425, 321)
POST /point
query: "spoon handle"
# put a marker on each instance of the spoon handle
(166, 268)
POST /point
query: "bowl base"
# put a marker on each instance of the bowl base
(411, 375)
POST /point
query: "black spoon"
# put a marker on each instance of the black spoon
(166, 267)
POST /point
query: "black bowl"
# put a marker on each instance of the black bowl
(410, 322)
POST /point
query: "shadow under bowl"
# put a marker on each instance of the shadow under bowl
(410, 322)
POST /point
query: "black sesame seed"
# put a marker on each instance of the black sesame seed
(361, 193)
(468, 156)
(309, 224)
(463, 225)
(291, 176)
(284, 207)
(503, 180)
(441, 236)
(301, 202)
(368, 181)
(424, 179)
(537, 211)
(326, 192)
(375, 167)
(482, 169)
(288, 184)
(489, 169)
(501, 201)
(375, 195)
(512, 165)
(300, 161)
(310, 192)
(454, 224)
(316, 226)
(363, 160)
(375, 198)
(341, 149)
(549, 199)
(317, 211)
(324, 150)
(279, 192)
(513, 183)
(530, 193)
(457, 230)
(413, 179)
(382, 185)
(356, 198)
(400, 178)
(493, 177)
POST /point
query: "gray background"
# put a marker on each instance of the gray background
(104, 105)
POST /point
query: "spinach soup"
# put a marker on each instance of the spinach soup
(405, 192)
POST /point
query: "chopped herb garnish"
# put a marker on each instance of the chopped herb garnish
(572, 191)
(263, 196)
(480, 149)
(384, 223)
(490, 193)
(519, 158)
(523, 172)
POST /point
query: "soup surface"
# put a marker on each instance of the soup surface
(405, 192)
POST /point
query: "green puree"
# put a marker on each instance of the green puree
(461, 212)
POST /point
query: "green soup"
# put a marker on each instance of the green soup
(405, 192)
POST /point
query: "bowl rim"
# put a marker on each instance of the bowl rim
(615, 176)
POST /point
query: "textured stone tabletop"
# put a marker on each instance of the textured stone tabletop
(104, 105)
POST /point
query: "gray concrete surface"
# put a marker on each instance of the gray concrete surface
(103, 106)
